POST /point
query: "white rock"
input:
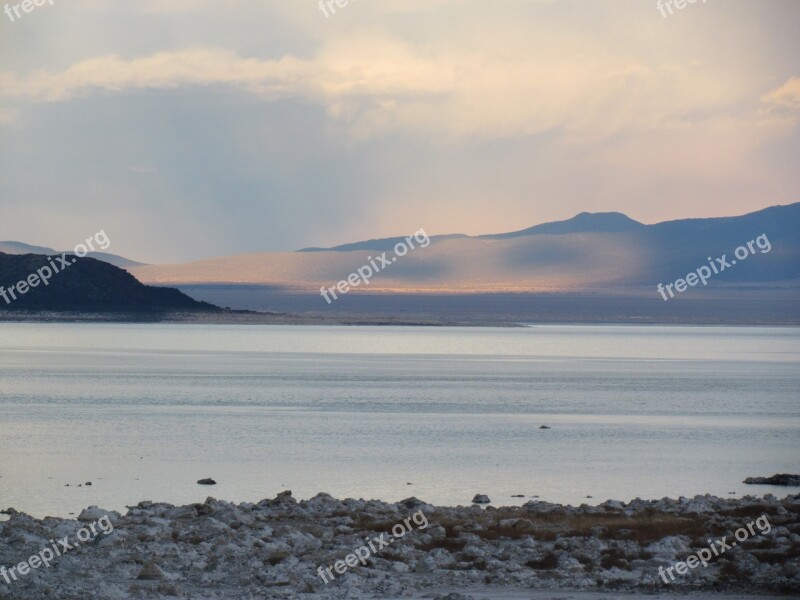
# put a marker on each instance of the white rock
(93, 513)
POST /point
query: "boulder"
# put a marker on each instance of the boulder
(151, 572)
(95, 514)
(782, 479)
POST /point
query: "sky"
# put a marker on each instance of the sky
(187, 129)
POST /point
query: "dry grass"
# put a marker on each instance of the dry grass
(643, 528)
(367, 523)
(752, 512)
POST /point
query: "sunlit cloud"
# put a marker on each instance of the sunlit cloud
(786, 96)
(380, 85)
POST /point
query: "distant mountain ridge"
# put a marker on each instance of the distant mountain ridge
(598, 251)
(10, 247)
(585, 222)
(379, 244)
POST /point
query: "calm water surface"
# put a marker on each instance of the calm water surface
(144, 411)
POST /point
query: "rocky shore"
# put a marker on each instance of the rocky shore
(276, 548)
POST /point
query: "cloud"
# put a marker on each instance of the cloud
(163, 70)
(459, 115)
(786, 96)
(522, 69)
(375, 85)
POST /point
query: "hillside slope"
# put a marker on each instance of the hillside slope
(85, 284)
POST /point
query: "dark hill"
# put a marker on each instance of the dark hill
(85, 285)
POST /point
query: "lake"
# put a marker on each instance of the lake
(144, 411)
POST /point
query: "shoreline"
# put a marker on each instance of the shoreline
(220, 549)
(233, 317)
(236, 317)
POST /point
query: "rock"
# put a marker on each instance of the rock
(412, 503)
(537, 506)
(284, 498)
(782, 479)
(151, 572)
(95, 514)
(219, 549)
(400, 567)
(481, 499)
(208, 481)
(517, 524)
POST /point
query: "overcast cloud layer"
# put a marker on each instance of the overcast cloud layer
(194, 128)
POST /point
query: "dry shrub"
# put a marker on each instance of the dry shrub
(729, 570)
(547, 563)
(771, 557)
(754, 511)
(644, 528)
(613, 557)
(452, 545)
(366, 523)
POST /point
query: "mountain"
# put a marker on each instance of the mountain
(380, 244)
(22, 248)
(83, 284)
(584, 222)
(608, 222)
(601, 251)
